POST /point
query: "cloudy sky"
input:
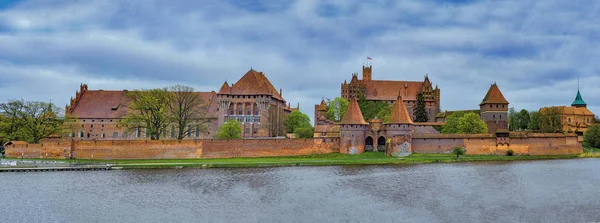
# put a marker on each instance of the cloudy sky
(535, 50)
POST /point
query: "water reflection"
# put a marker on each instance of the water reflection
(482, 192)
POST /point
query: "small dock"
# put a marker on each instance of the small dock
(48, 169)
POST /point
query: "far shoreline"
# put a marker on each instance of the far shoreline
(333, 159)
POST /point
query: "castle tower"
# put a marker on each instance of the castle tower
(352, 129)
(494, 109)
(367, 74)
(399, 122)
(320, 111)
(579, 103)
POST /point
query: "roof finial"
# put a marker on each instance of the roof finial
(577, 84)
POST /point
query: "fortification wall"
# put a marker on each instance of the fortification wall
(173, 149)
(138, 149)
(266, 147)
(54, 150)
(531, 144)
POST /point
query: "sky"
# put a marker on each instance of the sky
(536, 51)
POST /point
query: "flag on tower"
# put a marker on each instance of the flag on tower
(369, 58)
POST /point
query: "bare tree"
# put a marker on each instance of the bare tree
(148, 112)
(188, 111)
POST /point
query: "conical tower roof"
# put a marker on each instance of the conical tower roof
(225, 89)
(322, 106)
(353, 115)
(494, 96)
(399, 114)
(578, 100)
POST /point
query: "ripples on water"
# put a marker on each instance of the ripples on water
(539, 191)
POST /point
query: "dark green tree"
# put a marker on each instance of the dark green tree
(231, 129)
(534, 121)
(523, 119)
(295, 120)
(420, 110)
(371, 109)
(452, 122)
(513, 119)
(592, 136)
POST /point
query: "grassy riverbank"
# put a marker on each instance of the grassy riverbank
(369, 158)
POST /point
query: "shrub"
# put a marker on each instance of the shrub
(304, 132)
(592, 136)
(510, 152)
(458, 151)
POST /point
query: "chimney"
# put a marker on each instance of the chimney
(280, 92)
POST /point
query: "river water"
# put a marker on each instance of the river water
(536, 191)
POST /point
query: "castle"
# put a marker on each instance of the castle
(252, 100)
(387, 91)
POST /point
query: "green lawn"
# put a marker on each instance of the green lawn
(368, 158)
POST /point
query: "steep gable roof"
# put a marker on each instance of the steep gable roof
(494, 96)
(253, 83)
(399, 114)
(353, 115)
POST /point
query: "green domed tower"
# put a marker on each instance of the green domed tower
(579, 101)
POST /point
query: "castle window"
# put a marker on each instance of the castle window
(494, 116)
(124, 135)
(569, 120)
(88, 135)
(102, 120)
(91, 126)
(496, 106)
(102, 135)
(490, 106)
(588, 120)
(84, 120)
(81, 125)
(197, 131)
(102, 125)
(247, 131)
(115, 135)
(255, 130)
(93, 120)
(111, 120)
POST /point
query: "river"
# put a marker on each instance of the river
(528, 191)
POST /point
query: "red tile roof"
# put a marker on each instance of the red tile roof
(225, 89)
(254, 83)
(101, 104)
(399, 114)
(388, 90)
(353, 115)
(494, 96)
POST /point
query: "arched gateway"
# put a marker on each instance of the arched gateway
(369, 144)
(381, 144)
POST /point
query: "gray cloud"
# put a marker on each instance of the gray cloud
(534, 50)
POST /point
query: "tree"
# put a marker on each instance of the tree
(11, 123)
(452, 122)
(231, 129)
(464, 123)
(523, 119)
(372, 109)
(550, 120)
(148, 112)
(534, 121)
(592, 136)
(513, 120)
(420, 110)
(304, 132)
(336, 108)
(187, 110)
(29, 121)
(470, 123)
(458, 151)
(295, 120)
